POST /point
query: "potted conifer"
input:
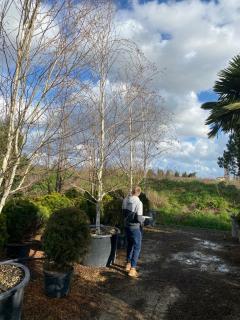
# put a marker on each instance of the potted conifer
(23, 219)
(65, 241)
(103, 245)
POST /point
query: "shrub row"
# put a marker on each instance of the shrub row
(23, 218)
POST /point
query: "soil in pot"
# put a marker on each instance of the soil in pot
(10, 276)
(13, 279)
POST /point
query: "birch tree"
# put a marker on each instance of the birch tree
(104, 120)
(40, 46)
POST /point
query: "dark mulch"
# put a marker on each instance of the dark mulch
(185, 274)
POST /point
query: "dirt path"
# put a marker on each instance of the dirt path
(184, 274)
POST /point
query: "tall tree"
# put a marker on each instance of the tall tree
(39, 51)
(225, 113)
(230, 160)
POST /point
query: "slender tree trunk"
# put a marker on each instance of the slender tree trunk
(101, 153)
(130, 150)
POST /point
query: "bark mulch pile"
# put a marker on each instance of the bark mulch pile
(85, 300)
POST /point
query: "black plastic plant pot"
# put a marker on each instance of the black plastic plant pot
(121, 241)
(57, 284)
(18, 250)
(11, 300)
(113, 252)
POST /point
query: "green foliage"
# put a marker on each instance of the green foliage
(23, 219)
(54, 201)
(113, 209)
(192, 175)
(72, 193)
(225, 113)
(176, 174)
(145, 202)
(195, 203)
(3, 232)
(87, 204)
(66, 237)
(231, 157)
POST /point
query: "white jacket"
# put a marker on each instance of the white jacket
(134, 204)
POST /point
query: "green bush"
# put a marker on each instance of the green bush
(54, 201)
(72, 193)
(113, 215)
(23, 219)
(66, 237)
(194, 202)
(3, 232)
(87, 204)
(145, 201)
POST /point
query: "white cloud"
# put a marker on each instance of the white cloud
(201, 39)
(204, 37)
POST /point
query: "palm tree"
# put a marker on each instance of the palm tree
(225, 113)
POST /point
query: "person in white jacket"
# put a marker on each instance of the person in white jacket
(133, 217)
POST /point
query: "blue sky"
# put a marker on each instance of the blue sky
(190, 41)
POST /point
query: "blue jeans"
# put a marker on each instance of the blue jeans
(134, 241)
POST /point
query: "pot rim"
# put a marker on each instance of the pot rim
(109, 235)
(21, 285)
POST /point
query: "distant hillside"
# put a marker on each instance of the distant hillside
(193, 202)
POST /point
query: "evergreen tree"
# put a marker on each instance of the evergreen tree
(231, 157)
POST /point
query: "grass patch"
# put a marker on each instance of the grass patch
(194, 202)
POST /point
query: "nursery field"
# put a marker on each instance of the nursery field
(185, 275)
(193, 202)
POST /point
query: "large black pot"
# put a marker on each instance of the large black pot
(102, 250)
(11, 300)
(57, 284)
(18, 250)
(122, 241)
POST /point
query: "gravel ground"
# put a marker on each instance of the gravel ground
(183, 274)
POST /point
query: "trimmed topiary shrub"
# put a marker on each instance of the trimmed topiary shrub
(54, 201)
(23, 219)
(3, 232)
(66, 237)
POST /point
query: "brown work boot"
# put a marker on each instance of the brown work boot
(133, 273)
(128, 267)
